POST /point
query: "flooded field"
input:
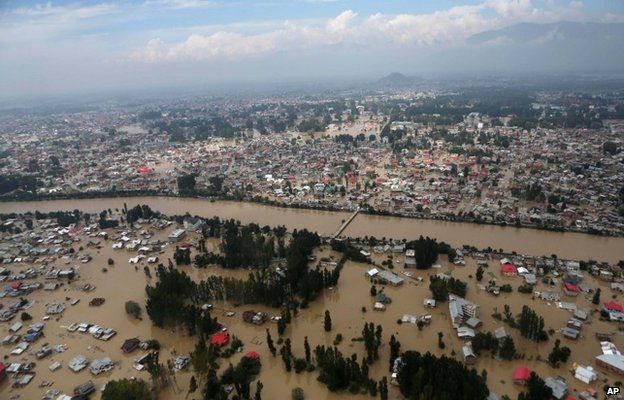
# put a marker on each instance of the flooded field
(525, 241)
(123, 282)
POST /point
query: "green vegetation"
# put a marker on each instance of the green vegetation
(610, 147)
(133, 308)
(531, 325)
(297, 394)
(371, 334)
(508, 348)
(327, 322)
(432, 378)
(140, 212)
(10, 183)
(558, 354)
(340, 373)
(126, 389)
(485, 341)
(440, 287)
(479, 274)
(186, 184)
(426, 251)
(536, 389)
(395, 350)
(349, 251)
(270, 343)
(245, 246)
(525, 288)
(596, 297)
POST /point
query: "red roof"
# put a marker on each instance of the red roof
(220, 339)
(16, 285)
(144, 169)
(252, 354)
(2, 368)
(74, 230)
(509, 268)
(572, 287)
(522, 374)
(613, 305)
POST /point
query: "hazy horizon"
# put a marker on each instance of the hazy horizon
(74, 47)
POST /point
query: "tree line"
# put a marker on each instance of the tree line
(427, 377)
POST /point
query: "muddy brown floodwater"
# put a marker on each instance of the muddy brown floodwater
(123, 282)
(569, 245)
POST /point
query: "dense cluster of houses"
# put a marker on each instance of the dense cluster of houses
(567, 279)
(556, 178)
(45, 258)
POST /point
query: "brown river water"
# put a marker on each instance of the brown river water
(122, 282)
(523, 240)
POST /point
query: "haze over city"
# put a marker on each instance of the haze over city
(64, 47)
(312, 199)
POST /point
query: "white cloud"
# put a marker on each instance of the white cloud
(511, 8)
(45, 22)
(50, 47)
(347, 28)
(440, 28)
(341, 22)
(68, 13)
(182, 4)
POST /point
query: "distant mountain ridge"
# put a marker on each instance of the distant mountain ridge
(397, 79)
(563, 31)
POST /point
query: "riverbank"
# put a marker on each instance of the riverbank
(324, 207)
(570, 245)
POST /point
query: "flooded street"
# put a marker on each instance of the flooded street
(123, 281)
(525, 241)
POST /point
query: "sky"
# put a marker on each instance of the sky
(62, 47)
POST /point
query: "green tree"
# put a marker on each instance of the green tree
(281, 326)
(258, 395)
(438, 378)
(125, 389)
(192, 385)
(536, 389)
(133, 308)
(327, 323)
(508, 349)
(186, 183)
(441, 344)
(558, 354)
(596, 298)
(479, 273)
(610, 147)
(383, 389)
(439, 289)
(270, 344)
(306, 347)
(297, 394)
(395, 349)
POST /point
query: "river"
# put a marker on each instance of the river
(523, 240)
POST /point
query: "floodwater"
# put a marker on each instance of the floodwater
(123, 282)
(567, 245)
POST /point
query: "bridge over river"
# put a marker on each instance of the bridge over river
(346, 223)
